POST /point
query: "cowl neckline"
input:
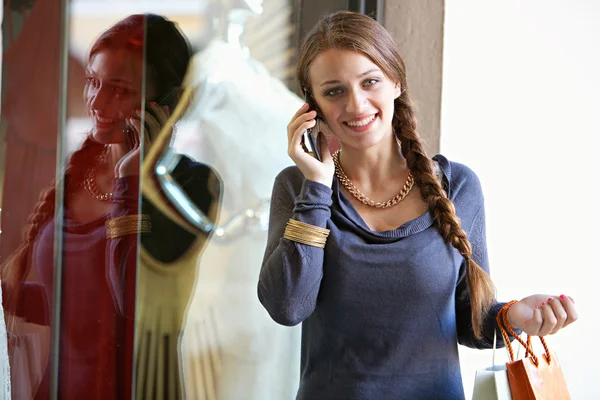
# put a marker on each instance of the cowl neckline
(411, 227)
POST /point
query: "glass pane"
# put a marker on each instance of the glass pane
(31, 144)
(143, 301)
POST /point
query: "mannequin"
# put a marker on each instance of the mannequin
(236, 123)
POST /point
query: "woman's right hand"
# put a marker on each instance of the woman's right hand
(311, 168)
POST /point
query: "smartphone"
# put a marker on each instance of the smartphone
(311, 139)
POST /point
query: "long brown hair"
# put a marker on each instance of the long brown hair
(357, 32)
(167, 57)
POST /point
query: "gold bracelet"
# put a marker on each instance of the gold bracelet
(303, 225)
(307, 234)
(304, 237)
(128, 225)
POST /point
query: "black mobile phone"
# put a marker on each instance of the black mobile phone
(311, 139)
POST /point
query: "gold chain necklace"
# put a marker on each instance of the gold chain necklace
(347, 183)
(89, 182)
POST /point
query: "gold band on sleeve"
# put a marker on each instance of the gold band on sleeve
(128, 225)
(307, 234)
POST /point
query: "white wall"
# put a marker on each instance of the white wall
(520, 106)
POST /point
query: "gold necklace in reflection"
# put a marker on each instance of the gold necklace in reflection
(89, 182)
(347, 183)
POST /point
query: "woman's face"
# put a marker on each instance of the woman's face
(355, 97)
(113, 91)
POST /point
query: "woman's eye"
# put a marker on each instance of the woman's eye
(370, 82)
(120, 90)
(333, 92)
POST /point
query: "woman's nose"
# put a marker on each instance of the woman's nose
(356, 102)
(100, 98)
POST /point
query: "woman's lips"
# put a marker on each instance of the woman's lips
(103, 122)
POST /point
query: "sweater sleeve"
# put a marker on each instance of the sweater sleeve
(291, 272)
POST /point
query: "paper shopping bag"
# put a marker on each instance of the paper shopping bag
(492, 384)
(537, 380)
(532, 377)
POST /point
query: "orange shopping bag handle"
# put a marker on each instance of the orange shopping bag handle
(503, 325)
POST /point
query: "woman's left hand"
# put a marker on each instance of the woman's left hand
(129, 164)
(541, 315)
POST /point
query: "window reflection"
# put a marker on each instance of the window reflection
(147, 307)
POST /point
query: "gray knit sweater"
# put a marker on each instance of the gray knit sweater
(381, 312)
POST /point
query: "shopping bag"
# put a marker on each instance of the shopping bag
(491, 383)
(532, 377)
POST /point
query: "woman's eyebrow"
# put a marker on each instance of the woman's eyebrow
(113, 80)
(359, 76)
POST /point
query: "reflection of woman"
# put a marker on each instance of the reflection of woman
(103, 219)
(384, 290)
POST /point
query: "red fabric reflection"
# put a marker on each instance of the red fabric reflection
(30, 111)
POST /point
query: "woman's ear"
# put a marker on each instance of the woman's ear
(397, 90)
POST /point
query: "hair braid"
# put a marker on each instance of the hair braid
(480, 285)
(15, 270)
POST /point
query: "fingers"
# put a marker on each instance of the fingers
(533, 326)
(159, 113)
(551, 316)
(154, 117)
(298, 121)
(298, 113)
(295, 141)
(569, 306)
(549, 320)
(137, 137)
(543, 321)
(559, 313)
(150, 122)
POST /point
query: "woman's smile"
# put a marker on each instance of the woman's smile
(362, 123)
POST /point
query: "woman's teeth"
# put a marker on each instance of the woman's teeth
(105, 120)
(364, 122)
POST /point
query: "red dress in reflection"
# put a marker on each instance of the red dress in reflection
(97, 305)
(98, 293)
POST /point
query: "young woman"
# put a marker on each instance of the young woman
(379, 250)
(104, 218)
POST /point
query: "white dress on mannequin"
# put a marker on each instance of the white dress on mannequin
(237, 124)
